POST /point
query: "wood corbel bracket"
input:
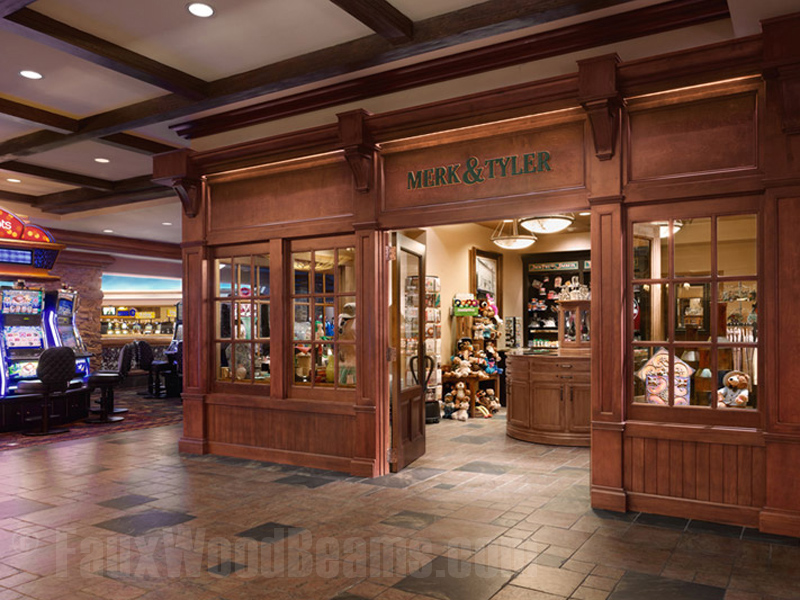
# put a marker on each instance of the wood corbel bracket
(362, 162)
(604, 116)
(190, 192)
(359, 149)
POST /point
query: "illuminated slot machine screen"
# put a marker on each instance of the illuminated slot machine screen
(24, 369)
(65, 306)
(22, 302)
(23, 336)
(67, 335)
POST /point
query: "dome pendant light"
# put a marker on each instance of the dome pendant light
(514, 240)
(547, 224)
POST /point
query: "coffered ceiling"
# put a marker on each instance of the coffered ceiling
(122, 81)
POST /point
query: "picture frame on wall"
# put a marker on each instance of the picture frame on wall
(486, 274)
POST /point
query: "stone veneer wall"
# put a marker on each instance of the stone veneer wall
(84, 273)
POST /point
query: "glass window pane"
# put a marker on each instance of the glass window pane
(223, 320)
(650, 312)
(262, 363)
(738, 303)
(243, 273)
(223, 277)
(302, 272)
(302, 364)
(738, 387)
(649, 376)
(224, 371)
(692, 247)
(346, 318)
(302, 320)
(692, 311)
(693, 376)
(242, 361)
(737, 245)
(347, 270)
(262, 323)
(571, 328)
(324, 365)
(261, 262)
(244, 320)
(324, 268)
(652, 252)
(347, 365)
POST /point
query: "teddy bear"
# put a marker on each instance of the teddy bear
(447, 406)
(490, 401)
(735, 392)
(461, 393)
(462, 414)
(461, 367)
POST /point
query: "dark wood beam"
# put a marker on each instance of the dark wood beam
(43, 29)
(58, 175)
(108, 201)
(117, 244)
(15, 197)
(124, 186)
(11, 6)
(135, 143)
(642, 22)
(33, 143)
(380, 16)
(37, 116)
(469, 24)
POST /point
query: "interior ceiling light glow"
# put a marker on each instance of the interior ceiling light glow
(108, 231)
(102, 160)
(166, 224)
(31, 74)
(584, 214)
(198, 9)
(12, 180)
(513, 240)
(547, 224)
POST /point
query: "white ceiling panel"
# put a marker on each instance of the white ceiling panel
(34, 186)
(242, 35)
(79, 158)
(418, 10)
(71, 85)
(11, 128)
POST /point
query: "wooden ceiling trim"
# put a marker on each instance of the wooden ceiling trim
(483, 18)
(380, 16)
(109, 201)
(642, 22)
(117, 244)
(32, 143)
(37, 116)
(11, 6)
(58, 175)
(16, 197)
(43, 29)
(135, 143)
(134, 184)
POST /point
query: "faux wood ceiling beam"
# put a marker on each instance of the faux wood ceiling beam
(135, 143)
(11, 6)
(15, 197)
(109, 201)
(380, 16)
(124, 186)
(58, 175)
(117, 244)
(45, 30)
(469, 24)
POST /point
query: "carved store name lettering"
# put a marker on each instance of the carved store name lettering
(476, 172)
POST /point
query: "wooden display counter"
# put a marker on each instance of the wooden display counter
(549, 398)
(473, 383)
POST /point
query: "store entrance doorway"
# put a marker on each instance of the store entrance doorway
(410, 364)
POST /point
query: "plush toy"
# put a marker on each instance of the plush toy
(461, 367)
(735, 392)
(461, 393)
(482, 411)
(462, 414)
(491, 351)
(447, 406)
(490, 400)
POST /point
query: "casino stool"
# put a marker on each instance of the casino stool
(154, 368)
(55, 370)
(106, 381)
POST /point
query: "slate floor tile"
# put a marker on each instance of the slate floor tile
(486, 468)
(410, 520)
(308, 481)
(754, 535)
(226, 568)
(125, 502)
(141, 523)
(471, 439)
(636, 586)
(662, 521)
(450, 579)
(270, 532)
(730, 531)
(405, 478)
(17, 507)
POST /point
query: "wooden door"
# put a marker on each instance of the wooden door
(548, 406)
(580, 407)
(408, 342)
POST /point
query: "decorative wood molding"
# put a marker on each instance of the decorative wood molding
(782, 64)
(380, 16)
(359, 149)
(177, 170)
(58, 175)
(78, 240)
(84, 259)
(189, 192)
(45, 30)
(602, 101)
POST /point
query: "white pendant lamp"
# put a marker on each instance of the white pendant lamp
(547, 223)
(507, 236)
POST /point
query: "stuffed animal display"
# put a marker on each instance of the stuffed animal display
(735, 392)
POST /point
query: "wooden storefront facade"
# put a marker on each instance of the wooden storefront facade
(704, 133)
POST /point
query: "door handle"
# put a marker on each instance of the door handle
(564, 366)
(564, 376)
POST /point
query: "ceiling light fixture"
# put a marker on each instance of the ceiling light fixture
(102, 160)
(198, 9)
(513, 240)
(12, 180)
(547, 224)
(584, 214)
(166, 224)
(108, 231)
(663, 227)
(31, 74)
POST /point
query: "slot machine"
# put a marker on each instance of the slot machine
(22, 335)
(60, 309)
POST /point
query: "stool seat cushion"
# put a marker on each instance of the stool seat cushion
(104, 378)
(159, 365)
(33, 386)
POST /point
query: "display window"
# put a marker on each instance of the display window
(241, 309)
(323, 310)
(693, 323)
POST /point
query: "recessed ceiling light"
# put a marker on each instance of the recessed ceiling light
(102, 160)
(585, 214)
(166, 224)
(108, 231)
(198, 9)
(12, 180)
(31, 74)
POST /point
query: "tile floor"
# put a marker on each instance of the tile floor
(479, 517)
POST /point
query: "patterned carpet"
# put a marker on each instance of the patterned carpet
(143, 413)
